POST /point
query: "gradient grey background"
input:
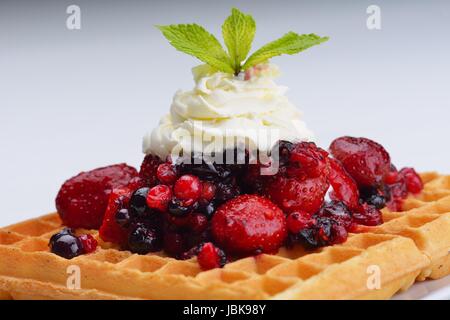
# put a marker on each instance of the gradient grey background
(76, 100)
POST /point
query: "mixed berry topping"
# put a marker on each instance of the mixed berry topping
(219, 212)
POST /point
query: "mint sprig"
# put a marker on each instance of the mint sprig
(238, 32)
(290, 43)
(196, 41)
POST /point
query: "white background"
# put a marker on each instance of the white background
(76, 100)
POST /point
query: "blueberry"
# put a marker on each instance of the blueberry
(177, 210)
(66, 245)
(378, 201)
(138, 202)
(123, 217)
(143, 240)
(64, 231)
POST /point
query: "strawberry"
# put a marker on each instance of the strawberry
(367, 162)
(344, 187)
(249, 224)
(81, 202)
(292, 194)
(302, 181)
(110, 231)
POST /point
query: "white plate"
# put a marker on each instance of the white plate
(427, 290)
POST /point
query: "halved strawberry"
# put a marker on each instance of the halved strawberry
(110, 231)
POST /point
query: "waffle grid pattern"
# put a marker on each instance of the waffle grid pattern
(410, 246)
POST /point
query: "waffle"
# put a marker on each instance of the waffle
(410, 246)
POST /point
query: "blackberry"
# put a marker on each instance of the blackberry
(143, 240)
(226, 192)
(138, 202)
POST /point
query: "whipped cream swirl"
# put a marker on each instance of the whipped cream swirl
(223, 108)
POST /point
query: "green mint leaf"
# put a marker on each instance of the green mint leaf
(238, 32)
(290, 43)
(196, 41)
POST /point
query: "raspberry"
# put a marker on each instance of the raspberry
(297, 221)
(166, 173)
(158, 197)
(88, 243)
(110, 230)
(148, 169)
(210, 257)
(82, 200)
(366, 161)
(249, 224)
(413, 181)
(188, 187)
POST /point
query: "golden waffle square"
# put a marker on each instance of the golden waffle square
(411, 245)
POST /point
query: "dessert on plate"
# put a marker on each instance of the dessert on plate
(234, 200)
